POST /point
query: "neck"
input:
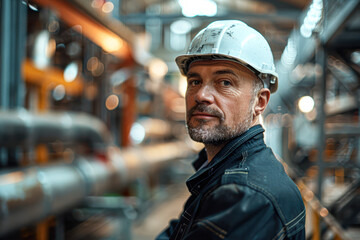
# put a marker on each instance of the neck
(213, 149)
(255, 121)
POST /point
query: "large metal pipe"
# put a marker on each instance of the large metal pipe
(22, 128)
(30, 194)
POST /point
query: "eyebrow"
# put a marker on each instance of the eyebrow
(226, 71)
(220, 72)
(189, 75)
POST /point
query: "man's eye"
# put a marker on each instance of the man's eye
(225, 82)
(194, 82)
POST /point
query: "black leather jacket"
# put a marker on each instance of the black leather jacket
(244, 193)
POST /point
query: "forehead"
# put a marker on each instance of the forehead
(218, 64)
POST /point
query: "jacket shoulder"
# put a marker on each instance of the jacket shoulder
(263, 173)
(238, 211)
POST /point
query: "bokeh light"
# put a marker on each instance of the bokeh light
(112, 102)
(306, 104)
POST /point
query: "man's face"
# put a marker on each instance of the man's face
(219, 100)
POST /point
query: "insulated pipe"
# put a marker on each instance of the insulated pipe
(30, 194)
(21, 128)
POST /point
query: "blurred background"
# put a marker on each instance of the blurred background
(92, 137)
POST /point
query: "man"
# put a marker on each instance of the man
(240, 190)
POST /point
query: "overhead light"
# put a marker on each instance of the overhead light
(157, 69)
(355, 57)
(33, 7)
(289, 55)
(95, 66)
(305, 31)
(59, 92)
(180, 27)
(306, 104)
(43, 50)
(324, 212)
(92, 64)
(312, 18)
(112, 102)
(311, 21)
(111, 44)
(178, 37)
(73, 49)
(108, 7)
(137, 133)
(191, 8)
(70, 72)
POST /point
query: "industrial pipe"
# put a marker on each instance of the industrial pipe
(22, 128)
(30, 194)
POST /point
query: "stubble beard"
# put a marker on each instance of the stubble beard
(220, 133)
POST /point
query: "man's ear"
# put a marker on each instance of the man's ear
(261, 101)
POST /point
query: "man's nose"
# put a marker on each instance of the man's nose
(204, 95)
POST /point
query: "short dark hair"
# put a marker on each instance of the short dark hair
(257, 85)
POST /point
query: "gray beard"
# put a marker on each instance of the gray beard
(220, 133)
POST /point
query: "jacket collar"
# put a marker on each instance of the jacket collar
(196, 181)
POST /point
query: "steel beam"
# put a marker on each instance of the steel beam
(336, 21)
(13, 19)
(281, 17)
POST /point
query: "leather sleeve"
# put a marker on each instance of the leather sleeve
(235, 211)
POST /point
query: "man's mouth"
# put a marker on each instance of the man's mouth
(203, 115)
(204, 112)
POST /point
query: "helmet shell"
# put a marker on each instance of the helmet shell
(232, 40)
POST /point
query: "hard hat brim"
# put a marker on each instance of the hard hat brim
(183, 62)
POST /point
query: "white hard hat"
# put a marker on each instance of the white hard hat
(232, 40)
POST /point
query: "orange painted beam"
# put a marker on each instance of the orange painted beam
(92, 29)
(50, 77)
(129, 111)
